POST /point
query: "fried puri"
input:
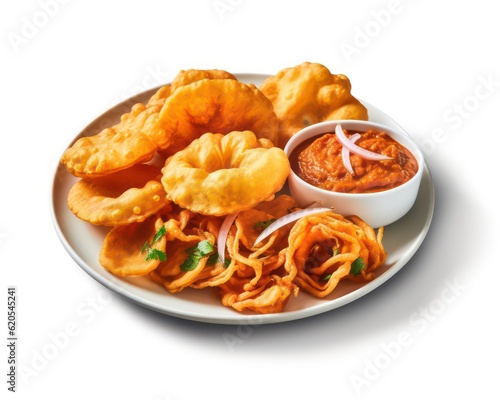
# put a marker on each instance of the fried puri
(122, 250)
(222, 174)
(121, 198)
(217, 106)
(309, 93)
(133, 140)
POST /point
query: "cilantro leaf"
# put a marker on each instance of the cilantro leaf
(155, 254)
(151, 253)
(159, 234)
(195, 254)
(357, 265)
(264, 224)
(205, 247)
(189, 264)
(214, 257)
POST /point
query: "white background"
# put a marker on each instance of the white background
(432, 66)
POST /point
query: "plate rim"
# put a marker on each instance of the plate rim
(240, 318)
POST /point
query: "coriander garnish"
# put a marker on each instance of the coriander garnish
(357, 265)
(155, 254)
(195, 254)
(264, 224)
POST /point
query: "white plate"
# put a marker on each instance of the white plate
(83, 242)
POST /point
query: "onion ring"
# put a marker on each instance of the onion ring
(222, 237)
(345, 154)
(369, 155)
(280, 222)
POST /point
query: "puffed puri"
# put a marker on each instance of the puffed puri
(223, 174)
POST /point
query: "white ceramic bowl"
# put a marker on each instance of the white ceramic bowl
(378, 208)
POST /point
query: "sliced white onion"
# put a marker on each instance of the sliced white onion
(369, 155)
(222, 237)
(280, 222)
(346, 159)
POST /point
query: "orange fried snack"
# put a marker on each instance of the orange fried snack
(221, 174)
(218, 106)
(185, 77)
(375, 252)
(309, 93)
(120, 198)
(283, 204)
(123, 252)
(261, 282)
(133, 140)
(190, 252)
(136, 137)
(270, 296)
(326, 248)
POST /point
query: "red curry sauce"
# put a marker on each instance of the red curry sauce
(318, 161)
